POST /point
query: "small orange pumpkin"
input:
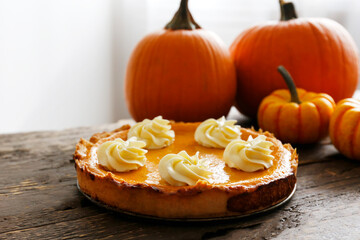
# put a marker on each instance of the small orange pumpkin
(345, 128)
(297, 116)
(320, 54)
(182, 72)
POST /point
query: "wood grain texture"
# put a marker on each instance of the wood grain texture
(39, 198)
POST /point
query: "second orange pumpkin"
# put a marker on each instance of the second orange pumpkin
(320, 54)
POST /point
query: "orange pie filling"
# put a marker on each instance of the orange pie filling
(227, 191)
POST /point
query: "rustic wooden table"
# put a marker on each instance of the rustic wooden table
(39, 198)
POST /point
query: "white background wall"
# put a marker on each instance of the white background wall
(55, 64)
(62, 62)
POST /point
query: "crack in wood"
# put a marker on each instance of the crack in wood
(311, 162)
(224, 231)
(47, 224)
(328, 183)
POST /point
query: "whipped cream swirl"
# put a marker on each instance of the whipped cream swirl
(155, 133)
(251, 155)
(181, 169)
(122, 156)
(217, 133)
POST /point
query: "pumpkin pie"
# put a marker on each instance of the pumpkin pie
(226, 192)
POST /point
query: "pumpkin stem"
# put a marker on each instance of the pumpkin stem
(287, 10)
(182, 19)
(290, 83)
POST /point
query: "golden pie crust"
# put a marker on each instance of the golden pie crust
(229, 192)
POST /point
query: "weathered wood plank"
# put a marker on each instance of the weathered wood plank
(295, 215)
(39, 198)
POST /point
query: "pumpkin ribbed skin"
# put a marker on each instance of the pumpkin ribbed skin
(183, 75)
(345, 128)
(319, 53)
(307, 122)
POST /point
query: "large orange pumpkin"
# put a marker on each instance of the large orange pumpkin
(345, 128)
(319, 53)
(183, 73)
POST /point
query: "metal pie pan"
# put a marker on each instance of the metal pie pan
(138, 215)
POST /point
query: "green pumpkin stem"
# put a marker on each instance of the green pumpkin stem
(287, 10)
(182, 19)
(290, 83)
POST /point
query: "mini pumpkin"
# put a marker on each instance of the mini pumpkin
(182, 72)
(345, 128)
(295, 115)
(320, 54)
